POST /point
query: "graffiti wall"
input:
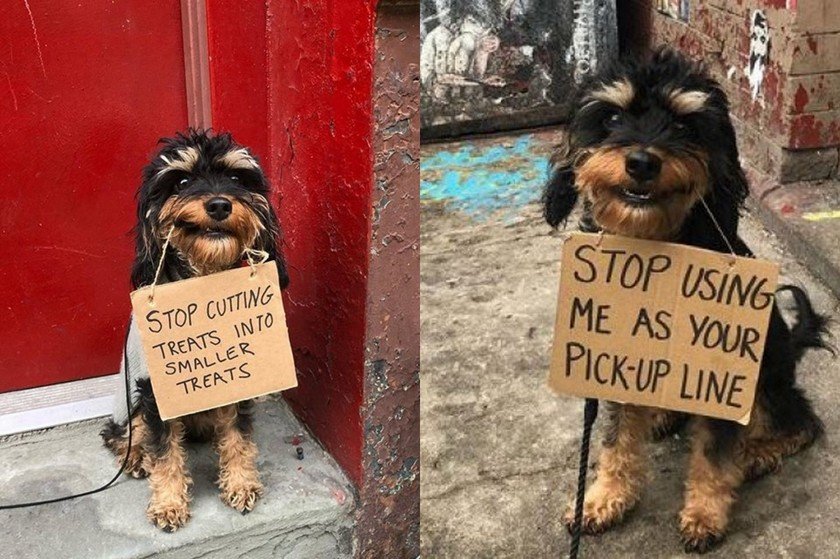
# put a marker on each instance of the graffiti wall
(493, 64)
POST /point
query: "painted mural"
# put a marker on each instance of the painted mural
(759, 52)
(485, 58)
(677, 9)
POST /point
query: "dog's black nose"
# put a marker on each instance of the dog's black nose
(642, 166)
(218, 208)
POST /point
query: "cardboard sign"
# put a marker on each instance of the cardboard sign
(660, 324)
(215, 340)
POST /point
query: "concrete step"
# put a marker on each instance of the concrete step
(806, 216)
(307, 510)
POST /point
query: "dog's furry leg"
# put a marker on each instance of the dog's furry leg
(116, 439)
(239, 480)
(169, 507)
(713, 477)
(665, 423)
(166, 461)
(766, 445)
(764, 456)
(621, 469)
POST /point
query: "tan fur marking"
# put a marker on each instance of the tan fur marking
(238, 159)
(618, 93)
(187, 158)
(208, 255)
(686, 102)
(170, 482)
(621, 473)
(681, 183)
(710, 492)
(239, 480)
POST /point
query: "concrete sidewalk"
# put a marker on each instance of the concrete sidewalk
(306, 513)
(499, 452)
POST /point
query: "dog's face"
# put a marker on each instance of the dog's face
(643, 146)
(211, 194)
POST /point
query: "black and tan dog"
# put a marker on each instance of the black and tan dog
(651, 152)
(213, 197)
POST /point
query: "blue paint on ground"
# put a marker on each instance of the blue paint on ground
(480, 179)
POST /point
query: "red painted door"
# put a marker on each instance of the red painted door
(86, 89)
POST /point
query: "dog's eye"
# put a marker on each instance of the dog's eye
(680, 126)
(613, 120)
(182, 182)
(234, 178)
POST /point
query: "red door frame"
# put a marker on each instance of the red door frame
(343, 158)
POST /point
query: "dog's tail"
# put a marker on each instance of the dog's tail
(811, 328)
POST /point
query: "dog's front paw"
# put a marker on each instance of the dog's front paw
(169, 517)
(699, 534)
(599, 515)
(242, 497)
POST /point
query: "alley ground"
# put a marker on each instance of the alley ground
(499, 452)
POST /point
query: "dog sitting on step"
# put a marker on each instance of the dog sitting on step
(213, 196)
(651, 153)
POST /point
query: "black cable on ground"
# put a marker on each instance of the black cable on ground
(590, 412)
(127, 452)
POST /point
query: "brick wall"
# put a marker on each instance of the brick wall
(791, 128)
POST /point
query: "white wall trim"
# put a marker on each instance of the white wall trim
(50, 406)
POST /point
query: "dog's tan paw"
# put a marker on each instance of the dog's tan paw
(598, 515)
(138, 473)
(762, 465)
(169, 518)
(135, 468)
(699, 534)
(243, 497)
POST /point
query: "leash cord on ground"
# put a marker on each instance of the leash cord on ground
(127, 452)
(590, 412)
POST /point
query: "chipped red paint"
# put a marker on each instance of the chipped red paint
(800, 99)
(320, 58)
(805, 131)
(718, 34)
(812, 44)
(388, 519)
(303, 100)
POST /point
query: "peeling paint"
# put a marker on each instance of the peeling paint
(480, 178)
(759, 51)
(821, 216)
(388, 522)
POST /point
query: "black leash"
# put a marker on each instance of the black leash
(590, 412)
(127, 452)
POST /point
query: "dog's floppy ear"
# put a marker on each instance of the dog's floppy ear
(560, 195)
(729, 184)
(267, 241)
(147, 251)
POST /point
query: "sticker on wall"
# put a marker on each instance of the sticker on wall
(759, 52)
(677, 9)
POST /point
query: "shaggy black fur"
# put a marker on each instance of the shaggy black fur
(206, 177)
(191, 166)
(649, 123)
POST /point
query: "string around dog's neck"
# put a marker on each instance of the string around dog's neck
(718, 227)
(248, 254)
